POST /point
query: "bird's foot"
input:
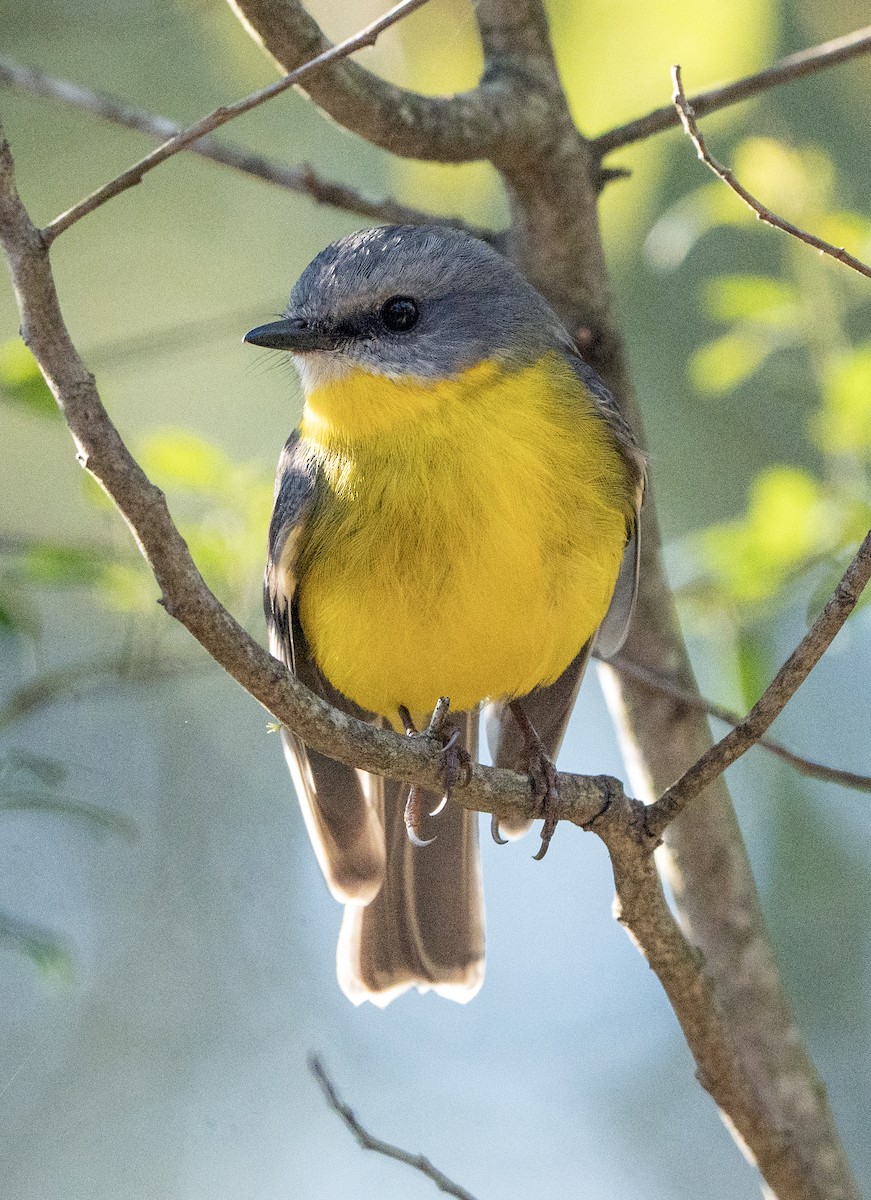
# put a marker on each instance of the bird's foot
(543, 777)
(455, 763)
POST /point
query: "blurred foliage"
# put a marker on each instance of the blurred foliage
(28, 783)
(799, 525)
(221, 509)
(770, 420)
(45, 949)
(21, 382)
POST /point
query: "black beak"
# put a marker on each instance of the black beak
(292, 333)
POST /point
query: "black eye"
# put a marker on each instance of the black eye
(400, 314)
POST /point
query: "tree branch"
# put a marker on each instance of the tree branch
(795, 66)
(806, 1165)
(301, 179)
(687, 118)
(369, 1142)
(184, 593)
(671, 687)
(220, 116)
(554, 236)
(459, 128)
(782, 688)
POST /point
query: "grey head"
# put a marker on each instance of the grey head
(414, 300)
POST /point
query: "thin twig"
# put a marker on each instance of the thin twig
(687, 118)
(795, 66)
(772, 701)
(369, 1142)
(793, 1167)
(672, 687)
(220, 116)
(301, 179)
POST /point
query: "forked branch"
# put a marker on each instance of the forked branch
(595, 802)
(794, 66)
(688, 120)
(220, 116)
(300, 178)
(368, 1141)
(773, 700)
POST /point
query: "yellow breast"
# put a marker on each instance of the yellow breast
(469, 536)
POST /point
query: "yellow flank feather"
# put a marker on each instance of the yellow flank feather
(469, 537)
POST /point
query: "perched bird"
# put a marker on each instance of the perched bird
(450, 519)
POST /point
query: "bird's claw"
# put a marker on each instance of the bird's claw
(543, 778)
(456, 761)
(494, 832)
(545, 786)
(413, 817)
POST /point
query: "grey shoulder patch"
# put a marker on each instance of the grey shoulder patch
(294, 495)
(294, 492)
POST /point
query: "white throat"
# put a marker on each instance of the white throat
(319, 369)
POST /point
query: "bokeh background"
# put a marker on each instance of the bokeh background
(166, 942)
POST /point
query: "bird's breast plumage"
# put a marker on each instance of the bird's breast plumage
(466, 536)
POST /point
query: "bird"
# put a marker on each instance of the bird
(456, 515)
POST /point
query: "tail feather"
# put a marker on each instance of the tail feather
(425, 927)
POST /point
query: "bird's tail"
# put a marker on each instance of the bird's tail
(425, 926)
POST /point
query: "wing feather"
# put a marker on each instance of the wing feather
(344, 826)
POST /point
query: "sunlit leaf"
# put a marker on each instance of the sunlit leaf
(177, 458)
(685, 222)
(849, 230)
(726, 361)
(731, 40)
(21, 382)
(843, 425)
(752, 297)
(796, 183)
(787, 520)
(128, 587)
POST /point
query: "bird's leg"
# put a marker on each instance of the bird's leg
(542, 776)
(456, 760)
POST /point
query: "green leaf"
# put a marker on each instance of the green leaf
(788, 521)
(751, 666)
(850, 230)
(758, 298)
(686, 222)
(21, 382)
(795, 182)
(726, 362)
(176, 458)
(127, 587)
(18, 613)
(843, 425)
(44, 948)
(61, 566)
